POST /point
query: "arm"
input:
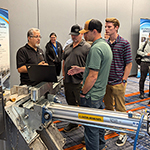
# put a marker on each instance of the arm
(21, 58)
(63, 71)
(127, 71)
(47, 53)
(22, 69)
(90, 81)
(75, 70)
(127, 61)
(61, 51)
(141, 52)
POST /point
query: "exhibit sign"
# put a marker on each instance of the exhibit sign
(144, 30)
(144, 35)
(4, 49)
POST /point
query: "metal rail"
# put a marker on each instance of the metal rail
(113, 120)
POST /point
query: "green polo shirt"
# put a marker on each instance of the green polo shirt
(98, 59)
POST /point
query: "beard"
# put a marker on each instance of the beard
(37, 45)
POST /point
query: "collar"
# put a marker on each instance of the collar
(116, 41)
(97, 40)
(31, 48)
(54, 45)
(80, 44)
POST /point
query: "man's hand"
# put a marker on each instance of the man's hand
(82, 95)
(148, 54)
(123, 84)
(75, 70)
(43, 63)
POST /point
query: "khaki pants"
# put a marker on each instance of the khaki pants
(115, 93)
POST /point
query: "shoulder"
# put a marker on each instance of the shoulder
(86, 44)
(124, 41)
(58, 43)
(101, 47)
(67, 47)
(22, 49)
(101, 43)
(48, 44)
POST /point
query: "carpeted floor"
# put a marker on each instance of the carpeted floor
(133, 103)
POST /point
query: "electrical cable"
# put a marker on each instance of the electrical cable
(137, 132)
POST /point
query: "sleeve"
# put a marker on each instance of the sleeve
(61, 50)
(47, 53)
(67, 43)
(63, 55)
(127, 53)
(140, 50)
(21, 58)
(95, 59)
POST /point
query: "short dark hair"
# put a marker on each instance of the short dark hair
(95, 24)
(52, 34)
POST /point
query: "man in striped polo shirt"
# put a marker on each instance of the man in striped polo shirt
(120, 69)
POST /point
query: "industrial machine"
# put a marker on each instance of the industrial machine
(29, 112)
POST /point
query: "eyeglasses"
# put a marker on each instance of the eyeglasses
(53, 37)
(36, 36)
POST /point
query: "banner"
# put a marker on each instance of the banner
(144, 30)
(4, 49)
(144, 35)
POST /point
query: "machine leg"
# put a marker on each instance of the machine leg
(52, 138)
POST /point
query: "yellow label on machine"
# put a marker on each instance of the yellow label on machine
(90, 117)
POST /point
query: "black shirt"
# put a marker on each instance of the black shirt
(27, 55)
(75, 56)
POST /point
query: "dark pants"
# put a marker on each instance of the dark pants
(72, 93)
(144, 69)
(94, 137)
(58, 68)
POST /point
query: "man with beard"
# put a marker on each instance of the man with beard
(29, 54)
(74, 54)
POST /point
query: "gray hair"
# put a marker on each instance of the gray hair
(30, 32)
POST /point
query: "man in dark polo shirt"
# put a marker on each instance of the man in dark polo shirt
(29, 54)
(74, 54)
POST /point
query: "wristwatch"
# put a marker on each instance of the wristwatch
(81, 92)
(124, 81)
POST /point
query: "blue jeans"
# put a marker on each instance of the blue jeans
(94, 137)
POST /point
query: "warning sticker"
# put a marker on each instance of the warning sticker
(90, 117)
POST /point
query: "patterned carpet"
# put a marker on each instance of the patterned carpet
(133, 103)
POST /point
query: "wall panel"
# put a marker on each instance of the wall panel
(88, 10)
(122, 10)
(56, 16)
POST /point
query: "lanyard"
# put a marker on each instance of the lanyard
(55, 48)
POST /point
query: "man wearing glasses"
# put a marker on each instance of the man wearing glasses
(29, 54)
